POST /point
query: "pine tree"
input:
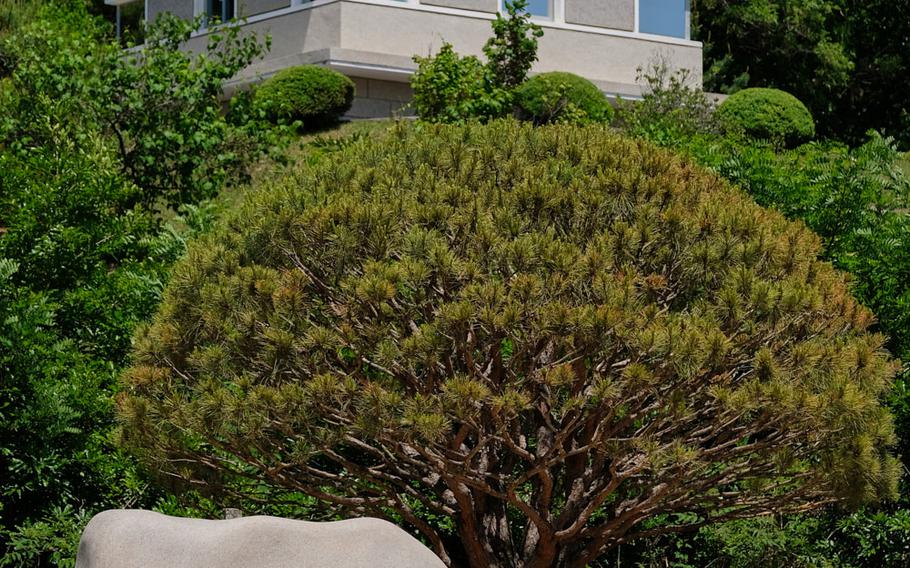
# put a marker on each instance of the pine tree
(556, 339)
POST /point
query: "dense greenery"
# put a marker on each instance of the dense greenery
(314, 95)
(552, 336)
(102, 153)
(769, 114)
(857, 200)
(846, 59)
(94, 145)
(561, 97)
(454, 89)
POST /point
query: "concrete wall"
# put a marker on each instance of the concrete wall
(476, 5)
(375, 44)
(181, 8)
(610, 60)
(613, 14)
(247, 8)
(375, 98)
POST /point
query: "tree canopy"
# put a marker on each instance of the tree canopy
(843, 58)
(558, 338)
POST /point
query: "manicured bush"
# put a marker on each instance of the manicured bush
(547, 337)
(769, 114)
(561, 97)
(314, 95)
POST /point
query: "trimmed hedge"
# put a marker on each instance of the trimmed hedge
(315, 95)
(767, 113)
(561, 97)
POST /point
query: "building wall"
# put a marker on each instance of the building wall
(181, 8)
(246, 8)
(613, 14)
(375, 44)
(491, 6)
(376, 98)
(611, 60)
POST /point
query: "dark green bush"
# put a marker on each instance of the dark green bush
(768, 114)
(561, 97)
(314, 95)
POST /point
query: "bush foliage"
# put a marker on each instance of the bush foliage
(856, 200)
(561, 97)
(550, 335)
(450, 88)
(314, 95)
(769, 114)
(94, 143)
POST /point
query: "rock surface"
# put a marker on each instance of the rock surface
(145, 539)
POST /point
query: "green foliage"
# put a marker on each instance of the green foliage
(52, 541)
(768, 114)
(562, 97)
(92, 142)
(161, 106)
(314, 95)
(672, 106)
(840, 57)
(513, 48)
(856, 200)
(451, 88)
(552, 327)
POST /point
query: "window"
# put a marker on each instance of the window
(539, 8)
(221, 10)
(664, 17)
(542, 8)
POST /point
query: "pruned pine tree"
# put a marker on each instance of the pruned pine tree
(527, 345)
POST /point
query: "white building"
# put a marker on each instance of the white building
(373, 41)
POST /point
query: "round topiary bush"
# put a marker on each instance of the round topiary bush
(314, 95)
(767, 113)
(529, 345)
(561, 97)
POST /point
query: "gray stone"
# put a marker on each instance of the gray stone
(144, 539)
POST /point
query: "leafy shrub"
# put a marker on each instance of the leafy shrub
(544, 331)
(451, 88)
(311, 94)
(672, 108)
(856, 200)
(454, 89)
(92, 143)
(768, 114)
(513, 48)
(562, 97)
(160, 108)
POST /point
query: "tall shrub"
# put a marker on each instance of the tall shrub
(550, 336)
(451, 88)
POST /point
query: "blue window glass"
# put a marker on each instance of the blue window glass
(539, 8)
(662, 17)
